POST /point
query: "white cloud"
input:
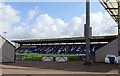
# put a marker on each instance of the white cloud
(45, 26)
(8, 16)
(103, 24)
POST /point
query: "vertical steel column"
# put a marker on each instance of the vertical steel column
(119, 34)
(87, 35)
(119, 25)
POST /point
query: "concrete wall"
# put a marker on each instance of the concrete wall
(1, 44)
(7, 50)
(110, 48)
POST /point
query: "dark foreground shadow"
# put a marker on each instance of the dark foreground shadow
(60, 75)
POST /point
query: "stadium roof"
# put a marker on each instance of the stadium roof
(67, 40)
(112, 8)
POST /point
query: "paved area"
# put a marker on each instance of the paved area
(77, 67)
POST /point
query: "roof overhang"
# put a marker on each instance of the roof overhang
(112, 8)
(67, 40)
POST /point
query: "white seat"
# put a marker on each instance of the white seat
(47, 58)
(107, 60)
(61, 58)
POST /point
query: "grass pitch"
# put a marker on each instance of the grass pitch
(38, 57)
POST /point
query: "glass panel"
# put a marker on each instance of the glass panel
(111, 6)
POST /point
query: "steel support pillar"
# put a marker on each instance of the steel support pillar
(87, 35)
(119, 27)
(119, 35)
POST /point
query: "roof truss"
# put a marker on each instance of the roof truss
(112, 8)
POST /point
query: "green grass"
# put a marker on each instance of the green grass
(38, 57)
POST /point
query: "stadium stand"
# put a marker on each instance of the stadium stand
(58, 49)
(66, 46)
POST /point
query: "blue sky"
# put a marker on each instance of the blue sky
(64, 10)
(23, 20)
